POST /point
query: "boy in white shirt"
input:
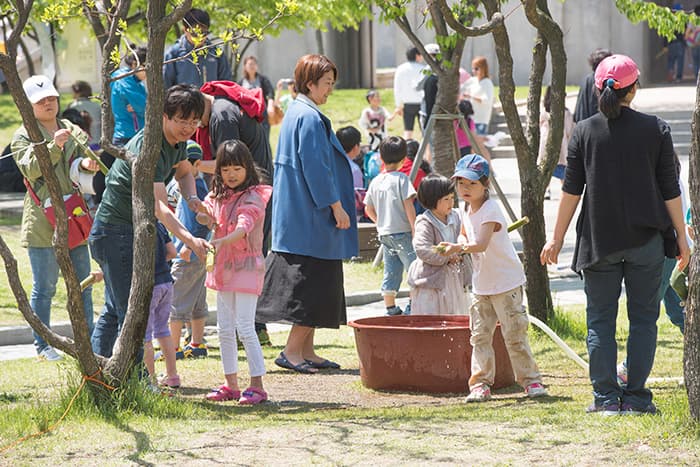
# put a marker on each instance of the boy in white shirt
(389, 203)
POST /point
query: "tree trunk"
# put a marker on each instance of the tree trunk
(691, 352)
(443, 139)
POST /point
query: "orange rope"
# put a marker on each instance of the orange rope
(70, 404)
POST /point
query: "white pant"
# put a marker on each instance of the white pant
(236, 312)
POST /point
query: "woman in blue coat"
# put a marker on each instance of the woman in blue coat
(311, 229)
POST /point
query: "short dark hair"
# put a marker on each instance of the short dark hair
(81, 88)
(78, 117)
(196, 17)
(371, 93)
(412, 53)
(139, 52)
(183, 100)
(433, 188)
(392, 149)
(412, 147)
(349, 137)
(311, 68)
(597, 56)
(466, 108)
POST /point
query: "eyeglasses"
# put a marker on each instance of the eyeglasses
(186, 123)
(475, 68)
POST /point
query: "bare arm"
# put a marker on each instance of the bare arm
(675, 211)
(371, 213)
(567, 208)
(198, 245)
(410, 213)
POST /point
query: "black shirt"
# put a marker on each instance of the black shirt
(627, 166)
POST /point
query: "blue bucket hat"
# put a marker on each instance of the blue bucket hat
(472, 167)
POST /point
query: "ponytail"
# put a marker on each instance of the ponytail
(609, 98)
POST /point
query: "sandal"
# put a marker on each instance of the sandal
(252, 396)
(323, 365)
(172, 382)
(304, 367)
(223, 393)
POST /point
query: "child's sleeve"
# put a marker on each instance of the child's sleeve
(424, 241)
(492, 214)
(251, 209)
(363, 122)
(407, 189)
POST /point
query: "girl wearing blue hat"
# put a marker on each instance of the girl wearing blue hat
(497, 284)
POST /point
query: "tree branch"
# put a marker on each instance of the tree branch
(468, 31)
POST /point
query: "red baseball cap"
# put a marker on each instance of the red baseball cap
(619, 68)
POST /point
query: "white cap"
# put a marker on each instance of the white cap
(432, 48)
(37, 87)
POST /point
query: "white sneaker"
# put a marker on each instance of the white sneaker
(535, 390)
(50, 354)
(479, 394)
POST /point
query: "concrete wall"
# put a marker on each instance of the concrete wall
(587, 25)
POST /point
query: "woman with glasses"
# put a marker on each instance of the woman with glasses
(479, 91)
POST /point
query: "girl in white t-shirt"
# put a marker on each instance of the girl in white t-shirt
(497, 285)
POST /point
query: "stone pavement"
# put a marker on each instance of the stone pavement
(567, 288)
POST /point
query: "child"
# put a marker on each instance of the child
(497, 285)
(465, 145)
(189, 272)
(161, 303)
(438, 283)
(389, 203)
(373, 119)
(236, 209)
(350, 139)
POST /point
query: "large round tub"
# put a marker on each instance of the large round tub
(422, 353)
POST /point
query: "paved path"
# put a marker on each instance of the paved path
(567, 288)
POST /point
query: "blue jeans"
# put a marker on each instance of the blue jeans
(112, 246)
(398, 255)
(676, 59)
(641, 270)
(672, 302)
(44, 279)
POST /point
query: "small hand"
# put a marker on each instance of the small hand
(129, 108)
(186, 254)
(61, 136)
(195, 205)
(90, 165)
(98, 275)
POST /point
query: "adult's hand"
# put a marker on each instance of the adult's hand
(684, 256)
(199, 247)
(342, 220)
(61, 136)
(550, 252)
(90, 165)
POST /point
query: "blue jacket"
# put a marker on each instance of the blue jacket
(127, 91)
(311, 173)
(213, 67)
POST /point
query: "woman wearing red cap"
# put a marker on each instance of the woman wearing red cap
(631, 218)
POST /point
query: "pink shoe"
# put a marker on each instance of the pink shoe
(171, 381)
(252, 396)
(223, 393)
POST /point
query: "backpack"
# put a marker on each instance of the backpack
(372, 166)
(692, 36)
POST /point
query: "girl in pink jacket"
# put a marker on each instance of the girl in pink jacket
(235, 209)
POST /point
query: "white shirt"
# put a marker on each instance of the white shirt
(484, 91)
(406, 79)
(497, 269)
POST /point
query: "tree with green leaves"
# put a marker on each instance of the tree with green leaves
(453, 24)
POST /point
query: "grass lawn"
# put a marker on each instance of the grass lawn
(331, 419)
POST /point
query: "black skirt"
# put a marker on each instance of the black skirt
(302, 290)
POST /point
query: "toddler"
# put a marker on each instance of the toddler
(161, 301)
(373, 119)
(438, 283)
(389, 203)
(235, 209)
(496, 283)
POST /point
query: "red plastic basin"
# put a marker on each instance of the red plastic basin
(422, 353)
